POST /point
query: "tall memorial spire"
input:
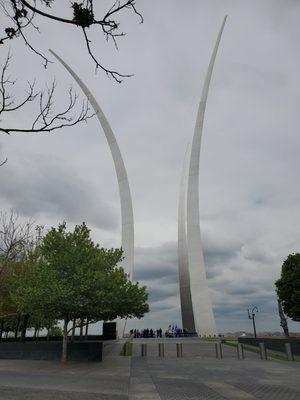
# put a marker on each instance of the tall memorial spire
(124, 189)
(183, 257)
(201, 312)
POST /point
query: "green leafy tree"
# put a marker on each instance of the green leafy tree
(11, 318)
(55, 331)
(16, 274)
(288, 286)
(38, 322)
(74, 279)
(18, 242)
(9, 325)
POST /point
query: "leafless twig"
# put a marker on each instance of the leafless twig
(15, 236)
(22, 13)
(47, 118)
(3, 162)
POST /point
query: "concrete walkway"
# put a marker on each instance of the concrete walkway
(210, 379)
(45, 380)
(198, 375)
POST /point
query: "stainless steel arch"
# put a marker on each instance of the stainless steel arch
(124, 189)
(202, 306)
(187, 314)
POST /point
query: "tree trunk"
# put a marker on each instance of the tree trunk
(17, 328)
(81, 329)
(73, 330)
(64, 354)
(283, 320)
(1, 329)
(35, 332)
(24, 328)
(86, 330)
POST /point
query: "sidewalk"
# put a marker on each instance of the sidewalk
(198, 375)
(45, 380)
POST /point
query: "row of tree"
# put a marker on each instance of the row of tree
(64, 276)
(13, 324)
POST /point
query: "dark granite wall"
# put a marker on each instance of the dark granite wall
(93, 338)
(77, 351)
(274, 344)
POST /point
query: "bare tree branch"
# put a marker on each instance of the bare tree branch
(15, 237)
(47, 118)
(110, 73)
(23, 12)
(3, 162)
(7, 101)
(43, 14)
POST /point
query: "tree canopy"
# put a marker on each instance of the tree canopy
(288, 286)
(70, 278)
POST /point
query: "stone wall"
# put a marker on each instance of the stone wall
(276, 344)
(77, 351)
(93, 338)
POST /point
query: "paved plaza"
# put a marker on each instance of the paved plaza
(198, 375)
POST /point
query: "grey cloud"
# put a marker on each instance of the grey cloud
(160, 293)
(49, 187)
(241, 291)
(258, 253)
(225, 263)
(159, 306)
(213, 272)
(162, 263)
(156, 263)
(151, 272)
(157, 268)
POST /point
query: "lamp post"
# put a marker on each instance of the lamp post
(251, 315)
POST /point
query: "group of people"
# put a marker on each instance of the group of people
(146, 333)
(172, 331)
(175, 331)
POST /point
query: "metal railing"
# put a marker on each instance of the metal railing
(220, 352)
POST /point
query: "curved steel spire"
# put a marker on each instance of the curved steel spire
(202, 307)
(183, 258)
(124, 189)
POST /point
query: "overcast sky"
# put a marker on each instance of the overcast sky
(249, 178)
